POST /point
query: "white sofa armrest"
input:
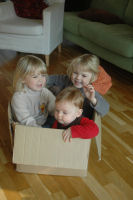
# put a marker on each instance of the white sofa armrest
(7, 10)
(53, 21)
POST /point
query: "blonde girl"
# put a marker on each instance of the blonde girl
(31, 102)
(81, 73)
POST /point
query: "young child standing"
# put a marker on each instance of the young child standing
(68, 115)
(81, 73)
(31, 102)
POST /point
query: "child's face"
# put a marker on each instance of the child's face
(35, 81)
(66, 112)
(81, 79)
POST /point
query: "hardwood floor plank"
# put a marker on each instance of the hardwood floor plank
(99, 191)
(2, 195)
(27, 194)
(115, 193)
(59, 196)
(40, 191)
(3, 159)
(118, 181)
(82, 189)
(66, 186)
(8, 186)
(118, 139)
(50, 183)
(19, 179)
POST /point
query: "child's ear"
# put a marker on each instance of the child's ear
(79, 112)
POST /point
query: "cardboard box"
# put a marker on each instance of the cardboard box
(43, 151)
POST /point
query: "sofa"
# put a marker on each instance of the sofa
(112, 42)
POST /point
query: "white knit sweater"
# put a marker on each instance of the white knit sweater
(32, 107)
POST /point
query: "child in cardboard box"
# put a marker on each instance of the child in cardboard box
(81, 73)
(31, 102)
(68, 115)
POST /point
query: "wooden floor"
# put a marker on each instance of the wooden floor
(108, 179)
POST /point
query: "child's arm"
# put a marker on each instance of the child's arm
(97, 102)
(67, 135)
(102, 106)
(56, 83)
(90, 94)
(86, 130)
(20, 109)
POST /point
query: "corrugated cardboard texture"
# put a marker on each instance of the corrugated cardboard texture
(50, 170)
(45, 147)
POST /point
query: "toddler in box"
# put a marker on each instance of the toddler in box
(68, 115)
(32, 103)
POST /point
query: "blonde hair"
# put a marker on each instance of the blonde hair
(72, 95)
(86, 62)
(26, 66)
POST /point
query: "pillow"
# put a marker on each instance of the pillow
(98, 15)
(29, 8)
(72, 5)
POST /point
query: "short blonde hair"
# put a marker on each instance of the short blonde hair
(72, 95)
(86, 62)
(26, 66)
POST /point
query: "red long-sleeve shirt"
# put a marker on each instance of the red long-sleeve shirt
(86, 129)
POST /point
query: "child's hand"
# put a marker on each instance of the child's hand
(67, 135)
(90, 93)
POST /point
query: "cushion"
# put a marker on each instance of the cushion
(29, 8)
(21, 26)
(128, 18)
(116, 38)
(72, 5)
(99, 15)
(71, 22)
(116, 7)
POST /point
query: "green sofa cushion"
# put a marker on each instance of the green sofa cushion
(112, 57)
(128, 18)
(116, 37)
(72, 5)
(71, 22)
(116, 7)
(99, 15)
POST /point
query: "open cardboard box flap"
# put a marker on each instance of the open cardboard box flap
(42, 150)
